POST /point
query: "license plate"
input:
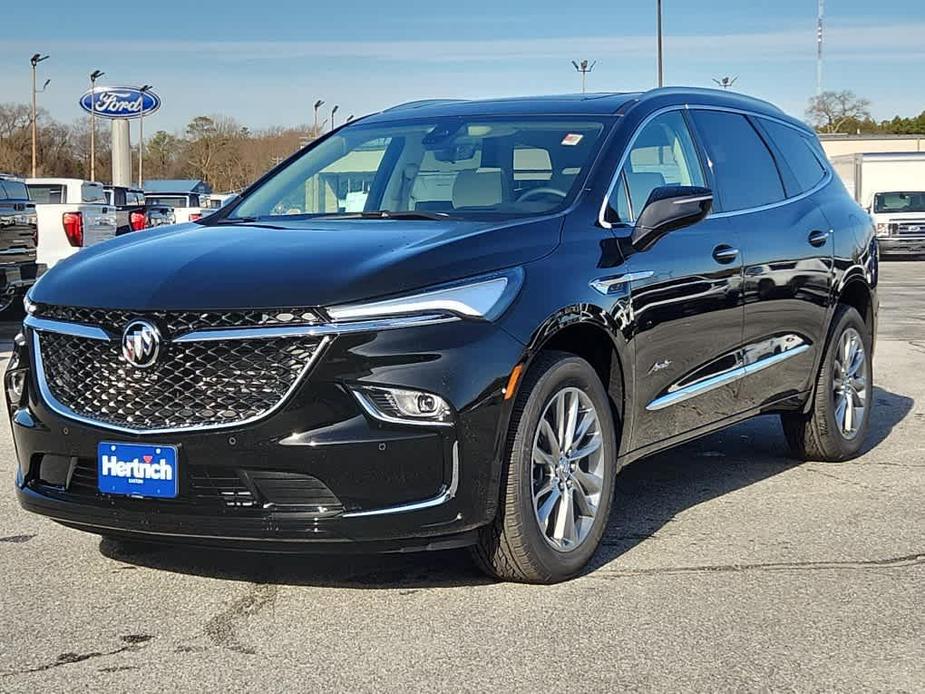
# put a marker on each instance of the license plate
(133, 469)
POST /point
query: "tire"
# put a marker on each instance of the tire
(514, 547)
(821, 434)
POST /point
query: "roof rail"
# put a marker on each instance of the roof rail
(421, 102)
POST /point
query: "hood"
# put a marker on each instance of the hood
(307, 263)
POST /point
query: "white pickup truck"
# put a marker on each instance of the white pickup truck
(72, 214)
(187, 207)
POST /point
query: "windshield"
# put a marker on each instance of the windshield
(899, 202)
(460, 168)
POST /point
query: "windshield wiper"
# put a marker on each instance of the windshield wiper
(388, 214)
(235, 220)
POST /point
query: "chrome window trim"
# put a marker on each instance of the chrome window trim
(64, 328)
(719, 380)
(601, 217)
(60, 408)
(447, 493)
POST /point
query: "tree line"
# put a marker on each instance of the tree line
(216, 149)
(230, 156)
(845, 112)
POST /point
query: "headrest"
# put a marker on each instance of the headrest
(477, 189)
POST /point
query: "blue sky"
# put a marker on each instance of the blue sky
(266, 64)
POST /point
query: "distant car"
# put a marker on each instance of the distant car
(215, 201)
(535, 293)
(18, 238)
(134, 212)
(187, 207)
(72, 214)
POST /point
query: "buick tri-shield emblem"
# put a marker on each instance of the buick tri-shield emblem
(141, 343)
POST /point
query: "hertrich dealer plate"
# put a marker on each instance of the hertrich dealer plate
(133, 469)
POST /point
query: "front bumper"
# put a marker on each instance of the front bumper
(898, 245)
(318, 474)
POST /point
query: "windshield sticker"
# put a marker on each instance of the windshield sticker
(572, 139)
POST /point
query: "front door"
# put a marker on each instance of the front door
(686, 311)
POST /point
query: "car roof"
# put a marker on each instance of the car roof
(596, 104)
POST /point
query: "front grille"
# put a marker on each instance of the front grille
(210, 488)
(176, 323)
(207, 487)
(192, 384)
(911, 227)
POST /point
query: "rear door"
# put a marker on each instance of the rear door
(685, 294)
(786, 249)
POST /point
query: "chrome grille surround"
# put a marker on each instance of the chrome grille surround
(176, 323)
(194, 385)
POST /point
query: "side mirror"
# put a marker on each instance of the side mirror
(669, 208)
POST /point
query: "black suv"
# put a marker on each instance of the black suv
(450, 324)
(19, 235)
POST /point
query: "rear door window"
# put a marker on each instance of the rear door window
(43, 193)
(745, 173)
(798, 154)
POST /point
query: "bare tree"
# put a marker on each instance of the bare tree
(829, 112)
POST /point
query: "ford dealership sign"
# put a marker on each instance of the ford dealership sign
(120, 102)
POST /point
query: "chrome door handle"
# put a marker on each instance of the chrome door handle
(725, 254)
(818, 238)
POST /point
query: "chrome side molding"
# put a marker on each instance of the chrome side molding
(605, 284)
(673, 397)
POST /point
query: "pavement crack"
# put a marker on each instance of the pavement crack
(132, 642)
(16, 539)
(890, 563)
(222, 628)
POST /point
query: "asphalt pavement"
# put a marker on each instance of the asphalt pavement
(726, 566)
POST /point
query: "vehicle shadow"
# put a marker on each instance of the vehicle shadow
(650, 494)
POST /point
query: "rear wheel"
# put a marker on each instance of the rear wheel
(836, 427)
(558, 480)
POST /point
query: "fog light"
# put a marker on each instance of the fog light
(404, 406)
(15, 386)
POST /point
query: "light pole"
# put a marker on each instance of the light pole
(333, 113)
(144, 89)
(94, 76)
(584, 67)
(318, 104)
(35, 60)
(661, 69)
(726, 82)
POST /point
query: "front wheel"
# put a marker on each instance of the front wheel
(557, 484)
(836, 427)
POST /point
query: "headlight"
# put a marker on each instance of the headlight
(882, 228)
(483, 298)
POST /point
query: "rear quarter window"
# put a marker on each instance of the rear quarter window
(798, 153)
(745, 172)
(90, 192)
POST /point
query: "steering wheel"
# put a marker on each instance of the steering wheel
(544, 190)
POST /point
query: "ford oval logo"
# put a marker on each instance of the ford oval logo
(120, 102)
(141, 343)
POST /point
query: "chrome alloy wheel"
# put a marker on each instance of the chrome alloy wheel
(568, 468)
(849, 383)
